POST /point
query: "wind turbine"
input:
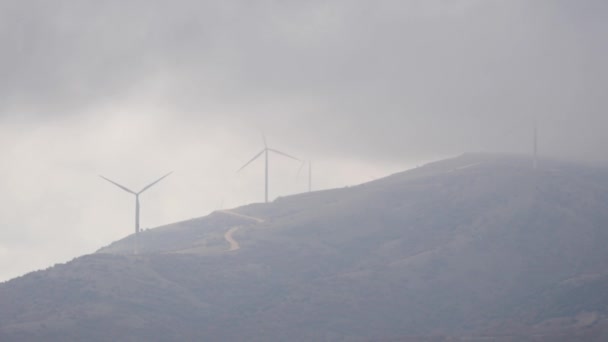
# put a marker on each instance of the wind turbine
(265, 152)
(137, 230)
(309, 173)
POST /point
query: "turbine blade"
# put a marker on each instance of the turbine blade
(283, 154)
(153, 183)
(252, 159)
(264, 138)
(118, 185)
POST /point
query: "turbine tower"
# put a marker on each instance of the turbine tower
(309, 176)
(309, 173)
(265, 151)
(137, 230)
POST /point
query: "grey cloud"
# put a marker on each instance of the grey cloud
(389, 78)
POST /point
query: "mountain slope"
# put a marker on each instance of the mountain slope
(475, 245)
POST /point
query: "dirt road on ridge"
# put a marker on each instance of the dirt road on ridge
(234, 245)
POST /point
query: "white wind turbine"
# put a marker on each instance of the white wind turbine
(265, 151)
(309, 173)
(137, 230)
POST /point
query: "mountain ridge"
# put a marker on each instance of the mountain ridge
(475, 245)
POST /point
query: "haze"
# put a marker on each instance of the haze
(363, 88)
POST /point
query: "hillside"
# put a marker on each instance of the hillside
(479, 247)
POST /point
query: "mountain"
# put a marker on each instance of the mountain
(478, 247)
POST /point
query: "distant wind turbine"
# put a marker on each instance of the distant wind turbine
(309, 173)
(265, 152)
(137, 230)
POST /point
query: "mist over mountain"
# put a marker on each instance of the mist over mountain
(483, 246)
(473, 247)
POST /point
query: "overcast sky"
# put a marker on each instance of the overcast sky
(134, 89)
